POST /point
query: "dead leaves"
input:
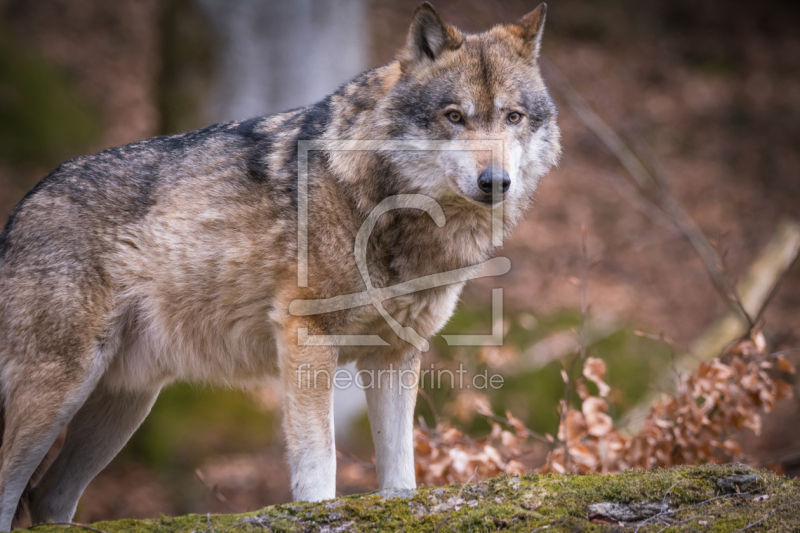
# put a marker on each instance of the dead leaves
(691, 427)
(445, 455)
(687, 428)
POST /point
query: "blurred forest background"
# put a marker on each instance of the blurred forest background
(711, 86)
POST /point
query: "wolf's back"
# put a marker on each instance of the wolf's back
(85, 201)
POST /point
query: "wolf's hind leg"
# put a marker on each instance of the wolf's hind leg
(97, 433)
(391, 397)
(307, 373)
(38, 405)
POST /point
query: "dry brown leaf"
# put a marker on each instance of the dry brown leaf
(598, 423)
(784, 365)
(466, 404)
(595, 371)
(573, 429)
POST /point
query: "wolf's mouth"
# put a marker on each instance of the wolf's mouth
(489, 199)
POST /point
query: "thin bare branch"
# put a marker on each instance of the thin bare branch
(774, 291)
(695, 517)
(584, 304)
(460, 491)
(528, 432)
(753, 524)
(431, 405)
(221, 497)
(666, 340)
(664, 508)
(352, 461)
(654, 182)
(790, 351)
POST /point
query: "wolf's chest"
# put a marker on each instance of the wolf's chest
(424, 312)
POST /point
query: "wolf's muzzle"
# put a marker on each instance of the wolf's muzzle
(487, 179)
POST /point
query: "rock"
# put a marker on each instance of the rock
(625, 512)
(330, 506)
(405, 494)
(737, 483)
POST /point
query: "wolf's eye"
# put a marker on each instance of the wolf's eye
(514, 117)
(455, 117)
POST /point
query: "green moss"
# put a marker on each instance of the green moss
(522, 503)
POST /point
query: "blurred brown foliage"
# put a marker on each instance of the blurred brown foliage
(691, 427)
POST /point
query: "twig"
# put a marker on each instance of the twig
(252, 520)
(721, 496)
(695, 517)
(666, 340)
(663, 506)
(431, 406)
(567, 373)
(748, 526)
(422, 424)
(664, 500)
(221, 497)
(715, 266)
(655, 182)
(584, 304)
(70, 524)
(461, 490)
(350, 460)
(774, 291)
(790, 351)
(455, 500)
(597, 126)
(639, 202)
(528, 432)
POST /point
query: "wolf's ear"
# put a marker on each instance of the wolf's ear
(532, 26)
(428, 36)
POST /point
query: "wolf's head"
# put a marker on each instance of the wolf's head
(484, 88)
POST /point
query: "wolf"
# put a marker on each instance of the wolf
(176, 258)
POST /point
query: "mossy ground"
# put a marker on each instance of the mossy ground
(556, 503)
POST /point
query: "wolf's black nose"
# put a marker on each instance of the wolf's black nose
(485, 180)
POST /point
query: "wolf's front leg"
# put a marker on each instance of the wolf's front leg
(307, 373)
(390, 400)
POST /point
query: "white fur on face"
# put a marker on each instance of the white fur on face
(423, 171)
(469, 109)
(459, 168)
(541, 153)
